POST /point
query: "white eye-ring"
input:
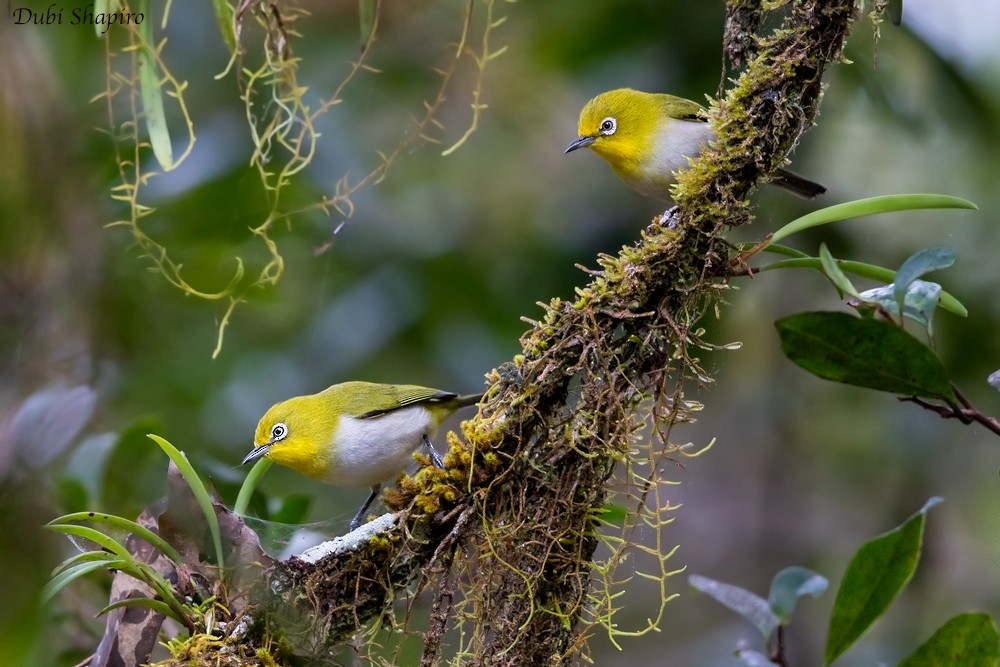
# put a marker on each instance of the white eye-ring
(608, 126)
(278, 432)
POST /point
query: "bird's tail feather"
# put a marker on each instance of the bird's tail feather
(799, 185)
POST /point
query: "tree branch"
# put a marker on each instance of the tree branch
(966, 413)
(517, 508)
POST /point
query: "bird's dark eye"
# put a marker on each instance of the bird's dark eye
(608, 126)
(278, 431)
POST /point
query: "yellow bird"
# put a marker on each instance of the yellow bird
(646, 137)
(355, 433)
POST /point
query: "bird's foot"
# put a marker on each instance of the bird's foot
(668, 218)
(435, 457)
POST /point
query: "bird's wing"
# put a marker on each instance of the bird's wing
(684, 109)
(395, 396)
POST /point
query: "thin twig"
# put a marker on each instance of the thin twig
(967, 415)
(778, 657)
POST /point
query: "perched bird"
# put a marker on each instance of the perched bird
(355, 433)
(646, 137)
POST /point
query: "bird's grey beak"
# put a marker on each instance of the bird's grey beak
(256, 453)
(579, 142)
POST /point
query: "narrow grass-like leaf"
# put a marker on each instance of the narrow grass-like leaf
(156, 605)
(58, 582)
(745, 603)
(834, 273)
(789, 585)
(145, 573)
(199, 491)
(125, 525)
(249, 484)
(918, 264)
(95, 536)
(875, 575)
(118, 558)
(865, 353)
(151, 93)
(969, 640)
(85, 557)
(872, 271)
(101, 8)
(224, 16)
(870, 206)
(612, 513)
(84, 563)
(367, 11)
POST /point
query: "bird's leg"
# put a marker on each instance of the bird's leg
(667, 218)
(356, 521)
(435, 457)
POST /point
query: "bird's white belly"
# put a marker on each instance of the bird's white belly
(675, 145)
(372, 451)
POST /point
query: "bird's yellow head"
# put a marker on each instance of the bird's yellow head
(620, 126)
(297, 434)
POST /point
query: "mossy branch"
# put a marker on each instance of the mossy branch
(516, 513)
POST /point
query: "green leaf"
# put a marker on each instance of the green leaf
(879, 273)
(865, 353)
(100, 9)
(748, 605)
(125, 525)
(249, 484)
(199, 491)
(789, 585)
(156, 605)
(95, 536)
(834, 273)
(85, 557)
(367, 12)
(918, 264)
(224, 18)
(875, 575)
(58, 582)
(870, 206)
(151, 93)
(969, 640)
(115, 557)
(613, 513)
(919, 302)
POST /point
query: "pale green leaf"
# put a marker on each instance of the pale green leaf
(871, 206)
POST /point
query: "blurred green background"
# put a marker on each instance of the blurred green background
(427, 281)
